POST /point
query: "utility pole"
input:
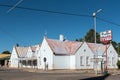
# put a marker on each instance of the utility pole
(95, 54)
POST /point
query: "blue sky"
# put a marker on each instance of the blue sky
(27, 27)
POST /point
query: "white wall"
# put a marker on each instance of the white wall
(61, 62)
(45, 51)
(84, 51)
(112, 54)
(39, 63)
(38, 56)
(72, 62)
(29, 53)
(14, 59)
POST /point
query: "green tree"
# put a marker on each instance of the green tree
(90, 37)
(118, 48)
(79, 40)
(114, 45)
(6, 52)
(118, 64)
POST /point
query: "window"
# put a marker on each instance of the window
(110, 51)
(81, 60)
(84, 50)
(35, 62)
(87, 61)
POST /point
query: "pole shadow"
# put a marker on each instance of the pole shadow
(97, 78)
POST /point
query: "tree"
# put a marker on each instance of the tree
(118, 48)
(17, 44)
(6, 52)
(90, 37)
(79, 40)
(118, 64)
(114, 45)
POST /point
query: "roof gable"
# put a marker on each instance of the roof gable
(21, 51)
(33, 48)
(100, 48)
(63, 47)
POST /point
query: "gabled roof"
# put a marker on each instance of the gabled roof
(21, 51)
(63, 47)
(100, 48)
(33, 48)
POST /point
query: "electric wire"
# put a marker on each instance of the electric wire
(64, 13)
(14, 6)
(48, 11)
(107, 21)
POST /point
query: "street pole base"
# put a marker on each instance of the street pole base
(105, 72)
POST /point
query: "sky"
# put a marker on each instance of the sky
(27, 27)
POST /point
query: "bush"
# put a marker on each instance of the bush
(118, 64)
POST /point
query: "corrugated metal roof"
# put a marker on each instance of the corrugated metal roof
(63, 47)
(21, 51)
(100, 48)
(33, 48)
(4, 55)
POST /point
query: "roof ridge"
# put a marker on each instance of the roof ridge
(63, 47)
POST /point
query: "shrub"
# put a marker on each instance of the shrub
(118, 64)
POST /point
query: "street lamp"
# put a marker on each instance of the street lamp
(94, 16)
(95, 55)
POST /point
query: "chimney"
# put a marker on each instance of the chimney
(61, 37)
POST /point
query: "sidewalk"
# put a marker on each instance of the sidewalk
(112, 72)
(59, 71)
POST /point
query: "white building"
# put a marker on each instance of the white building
(63, 54)
(17, 54)
(112, 56)
(24, 57)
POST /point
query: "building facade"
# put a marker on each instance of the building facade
(64, 54)
(24, 57)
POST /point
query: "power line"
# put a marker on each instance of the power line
(110, 22)
(64, 13)
(48, 11)
(14, 6)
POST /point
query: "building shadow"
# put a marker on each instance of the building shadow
(97, 77)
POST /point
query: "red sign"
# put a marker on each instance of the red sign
(106, 36)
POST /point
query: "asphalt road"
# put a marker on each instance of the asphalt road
(14, 74)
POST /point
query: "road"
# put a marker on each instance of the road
(14, 74)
